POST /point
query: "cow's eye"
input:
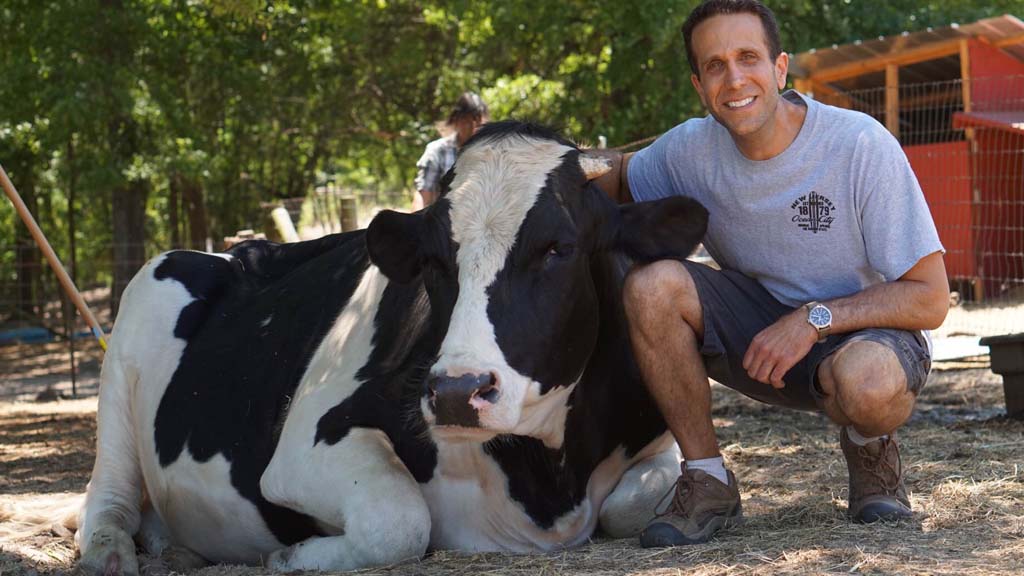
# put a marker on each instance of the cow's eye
(559, 250)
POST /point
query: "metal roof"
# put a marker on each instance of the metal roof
(1005, 28)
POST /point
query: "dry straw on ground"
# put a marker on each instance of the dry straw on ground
(966, 475)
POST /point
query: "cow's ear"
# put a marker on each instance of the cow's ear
(393, 241)
(661, 229)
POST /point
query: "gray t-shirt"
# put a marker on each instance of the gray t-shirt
(839, 210)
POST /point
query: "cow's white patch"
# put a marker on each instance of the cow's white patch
(358, 490)
(329, 380)
(362, 496)
(470, 507)
(495, 185)
(266, 321)
(628, 509)
(206, 514)
(137, 369)
(543, 416)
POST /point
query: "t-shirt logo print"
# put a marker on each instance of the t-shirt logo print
(814, 212)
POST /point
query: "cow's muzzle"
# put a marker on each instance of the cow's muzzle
(457, 400)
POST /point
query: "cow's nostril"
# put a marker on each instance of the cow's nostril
(432, 384)
(488, 393)
(488, 389)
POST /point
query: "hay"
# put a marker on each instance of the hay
(965, 475)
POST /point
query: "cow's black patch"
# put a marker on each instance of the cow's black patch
(538, 478)
(204, 276)
(410, 324)
(404, 346)
(609, 408)
(542, 302)
(261, 318)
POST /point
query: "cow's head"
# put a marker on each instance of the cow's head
(507, 252)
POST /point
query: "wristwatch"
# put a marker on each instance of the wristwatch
(820, 317)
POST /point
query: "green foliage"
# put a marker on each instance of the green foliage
(247, 101)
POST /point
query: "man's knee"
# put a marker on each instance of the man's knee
(659, 288)
(869, 385)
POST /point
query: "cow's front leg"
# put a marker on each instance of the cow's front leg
(629, 507)
(360, 492)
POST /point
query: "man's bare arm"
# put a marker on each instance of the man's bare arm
(918, 300)
(615, 183)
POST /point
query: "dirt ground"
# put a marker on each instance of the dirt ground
(965, 471)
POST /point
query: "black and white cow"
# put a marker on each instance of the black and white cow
(458, 378)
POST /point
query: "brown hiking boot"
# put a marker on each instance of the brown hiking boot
(876, 480)
(701, 505)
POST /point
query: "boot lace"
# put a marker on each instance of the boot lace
(883, 469)
(681, 491)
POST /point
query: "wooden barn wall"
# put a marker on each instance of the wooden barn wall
(997, 79)
(944, 173)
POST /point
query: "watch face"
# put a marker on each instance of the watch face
(820, 316)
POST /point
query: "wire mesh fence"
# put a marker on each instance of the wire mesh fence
(38, 324)
(969, 159)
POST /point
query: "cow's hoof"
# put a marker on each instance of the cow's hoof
(110, 552)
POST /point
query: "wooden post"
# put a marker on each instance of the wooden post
(965, 74)
(978, 285)
(965, 83)
(892, 99)
(349, 217)
(283, 224)
(51, 257)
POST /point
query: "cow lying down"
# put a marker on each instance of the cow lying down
(459, 378)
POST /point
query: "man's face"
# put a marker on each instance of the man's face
(739, 82)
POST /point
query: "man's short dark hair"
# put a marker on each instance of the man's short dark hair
(718, 7)
(469, 106)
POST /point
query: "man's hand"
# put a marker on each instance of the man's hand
(779, 347)
(919, 300)
(616, 182)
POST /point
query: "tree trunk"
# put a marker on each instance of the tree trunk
(173, 207)
(129, 217)
(117, 48)
(198, 228)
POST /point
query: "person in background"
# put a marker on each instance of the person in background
(468, 114)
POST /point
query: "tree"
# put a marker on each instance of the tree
(184, 116)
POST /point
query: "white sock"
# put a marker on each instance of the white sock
(859, 440)
(712, 466)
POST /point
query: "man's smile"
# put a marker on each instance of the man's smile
(737, 104)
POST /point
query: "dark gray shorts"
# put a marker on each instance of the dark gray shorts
(736, 308)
